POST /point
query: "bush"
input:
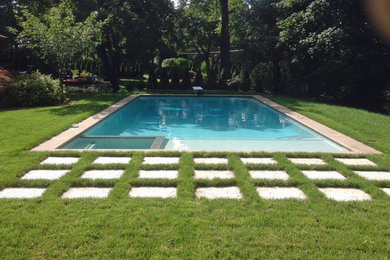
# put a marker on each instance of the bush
(180, 64)
(211, 82)
(246, 82)
(221, 82)
(7, 90)
(36, 89)
(262, 77)
(175, 78)
(234, 83)
(152, 80)
(186, 82)
(198, 78)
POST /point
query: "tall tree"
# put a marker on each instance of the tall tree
(132, 32)
(57, 38)
(225, 39)
(198, 28)
(333, 53)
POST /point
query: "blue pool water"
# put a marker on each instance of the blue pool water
(201, 123)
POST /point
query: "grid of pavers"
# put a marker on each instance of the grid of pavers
(213, 177)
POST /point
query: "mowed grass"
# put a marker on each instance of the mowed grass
(185, 227)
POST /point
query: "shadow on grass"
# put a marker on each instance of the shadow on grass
(85, 103)
(291, 103)
(74, 109)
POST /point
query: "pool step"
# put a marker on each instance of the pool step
(157, 142)
(95, 141)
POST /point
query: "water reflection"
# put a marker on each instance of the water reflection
(198, 117)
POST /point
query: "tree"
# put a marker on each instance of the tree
(198, 28)
(132, 33)
(225, 39)
(57, 38)
(334, 53)
(261, 37)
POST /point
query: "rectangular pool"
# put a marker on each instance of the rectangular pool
(201, 123)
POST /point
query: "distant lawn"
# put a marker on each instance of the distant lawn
(184, 227)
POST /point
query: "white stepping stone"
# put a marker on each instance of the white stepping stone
(44, 174)
(60, 160)
(374, 175)
(90, 192)
(307, 161)
(102, 174)
(211, 160)
(387, 190)
(208, 174)
(161, 174)
(355, 162)
(269, 175)
(21, 193)
(153, 192)
(274, 193)
(161, 160)
(112, 160)
(345, 194)
(218, 193)
(323, 175)
(259, 160)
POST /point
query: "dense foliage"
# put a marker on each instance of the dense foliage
(57, 38)
(320, 49)
(29, 90)
(7, 91)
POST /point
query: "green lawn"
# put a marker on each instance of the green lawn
(184, 227)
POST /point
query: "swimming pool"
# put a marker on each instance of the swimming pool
(201, 123)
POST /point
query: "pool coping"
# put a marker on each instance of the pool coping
(354, 147)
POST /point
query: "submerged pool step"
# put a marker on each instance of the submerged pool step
(119, 142)
(157, 142)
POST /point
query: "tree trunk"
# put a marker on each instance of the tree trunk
(225, 40)
(110, 65)
(207, 61)
(62, 85)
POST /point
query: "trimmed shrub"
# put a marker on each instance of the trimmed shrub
(180, 64)
(36, 89)
(262, 77)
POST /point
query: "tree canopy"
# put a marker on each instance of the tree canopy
(57, 38)
(320, 49)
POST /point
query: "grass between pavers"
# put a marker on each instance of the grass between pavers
(124, 227)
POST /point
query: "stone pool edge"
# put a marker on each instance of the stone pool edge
(351, 144)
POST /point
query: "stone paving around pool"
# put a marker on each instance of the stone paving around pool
(254, 166)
